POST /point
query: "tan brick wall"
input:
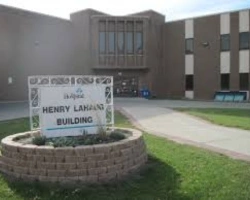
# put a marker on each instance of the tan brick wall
(88, 164)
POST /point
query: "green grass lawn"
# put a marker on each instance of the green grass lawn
(238, 118)
(174, 171)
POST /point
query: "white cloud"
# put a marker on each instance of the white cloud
(175, 9)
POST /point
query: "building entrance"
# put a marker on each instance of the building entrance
(125, 86)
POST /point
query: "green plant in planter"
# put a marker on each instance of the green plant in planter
(101, 134)
(64, 141)
(39, 140)
(117, 135)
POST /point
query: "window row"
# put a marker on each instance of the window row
(244, 43)
(244, 81)
(224, 82)
(128, 42)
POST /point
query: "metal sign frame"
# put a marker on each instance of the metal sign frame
(35, 83)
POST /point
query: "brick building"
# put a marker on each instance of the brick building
(191, 58)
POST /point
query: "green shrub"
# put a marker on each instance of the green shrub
(101, 138)
(39, 140)
(64, 141)
(117, 135)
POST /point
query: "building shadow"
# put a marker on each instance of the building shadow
(155, 181)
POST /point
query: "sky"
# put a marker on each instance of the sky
(172, 9)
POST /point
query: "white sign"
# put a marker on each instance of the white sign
(71, 109)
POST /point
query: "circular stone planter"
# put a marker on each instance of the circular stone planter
(87, 164)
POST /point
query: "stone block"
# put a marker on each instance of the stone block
(38, 172)
(89, 150)
(79, 151)
(72, 173)
(99, 149)
(104, 163)
(30, 157)
(28, 149)
(10, 161)
(81, 159)
(96, 171)
(39, 158)
(12, 147)
(6, 153)
(126, 152)
(107, 177)
(20, 170)
(44, 165)
(91, 164)
(64, 151)
(45, 151)
(82, 172)
(56, 173)
(92, 171)
(29, 164)
(71, 159)
(126, 158)
(115, 154)
(65, 166)
(59, 159)
(119, 160)
(95, 157)
(82, 165)
(49, 159)
(114, 168)
(6, 167)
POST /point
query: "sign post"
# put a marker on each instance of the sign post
(70, 105)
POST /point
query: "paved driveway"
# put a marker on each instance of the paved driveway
(13, 110)
(154, 117)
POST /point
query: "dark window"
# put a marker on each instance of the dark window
(120, 43)
(244, 81)
(244, 40)
(224, 81)
(102, 42)
(189, 82)
(189, 46)
(130, 42)
(111, 42)
(225, 42)
(139, 42)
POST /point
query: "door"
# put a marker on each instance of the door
(125, 86)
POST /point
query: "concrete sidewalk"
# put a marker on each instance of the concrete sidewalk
(186, 129)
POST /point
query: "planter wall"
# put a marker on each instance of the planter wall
(88, 164)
